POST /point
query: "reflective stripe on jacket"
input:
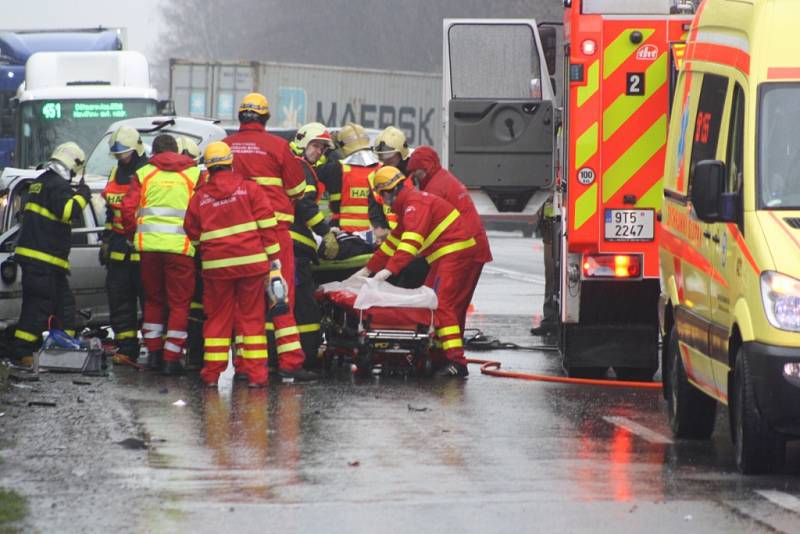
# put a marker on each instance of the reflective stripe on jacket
(353, 214)
(427, 226)
(267, 159)
(235, 226)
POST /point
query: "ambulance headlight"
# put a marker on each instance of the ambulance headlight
(781, 297)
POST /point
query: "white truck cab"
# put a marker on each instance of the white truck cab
(75, 96)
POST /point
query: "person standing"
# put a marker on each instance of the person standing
(267, 160)
(43, 250)
(123, 285)
(347, 181)
(234, 223)
(153, 211)
(313, 140)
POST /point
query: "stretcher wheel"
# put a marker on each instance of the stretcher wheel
(363, 363)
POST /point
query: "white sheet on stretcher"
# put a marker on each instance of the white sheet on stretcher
(369, 292)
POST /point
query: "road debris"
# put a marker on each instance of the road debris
(179, 403)
(415, 409)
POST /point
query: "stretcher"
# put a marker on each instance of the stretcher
(378, 327)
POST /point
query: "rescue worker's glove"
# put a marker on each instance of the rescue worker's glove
(336, 230)
(330, 248)
(382, 275)
(102, 254)
(83, 190)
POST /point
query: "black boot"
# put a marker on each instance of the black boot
(154, 360)
(172, 368)
(301, 375)
(453, 370)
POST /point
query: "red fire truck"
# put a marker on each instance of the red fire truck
(620, 62)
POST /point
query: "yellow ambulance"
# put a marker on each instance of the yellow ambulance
(730, 230)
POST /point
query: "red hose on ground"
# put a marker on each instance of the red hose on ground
(491, 368)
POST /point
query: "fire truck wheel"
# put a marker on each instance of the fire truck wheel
(691, 412)
(758, 448)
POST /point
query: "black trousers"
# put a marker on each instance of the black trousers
(307, 313)
(124, 290)
(45, 293)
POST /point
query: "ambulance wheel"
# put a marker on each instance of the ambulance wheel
(691, 412)
(758, 448)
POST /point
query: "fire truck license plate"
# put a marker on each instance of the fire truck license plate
(629, 225)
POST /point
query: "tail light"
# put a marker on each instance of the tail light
(612, 266)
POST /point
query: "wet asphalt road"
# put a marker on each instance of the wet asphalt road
(416, 455)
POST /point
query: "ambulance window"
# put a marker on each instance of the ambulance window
(735, 155)
(708, 120)
(778, 154)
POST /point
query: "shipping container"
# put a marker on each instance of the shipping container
(303, 93)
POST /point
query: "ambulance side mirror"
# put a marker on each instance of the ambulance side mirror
(708, 186)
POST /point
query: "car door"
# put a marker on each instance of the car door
(87, 276)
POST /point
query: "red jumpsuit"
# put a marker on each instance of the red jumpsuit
(234, 223)
(429, 226)
(152, 217)
(440, 182)
(268, 160)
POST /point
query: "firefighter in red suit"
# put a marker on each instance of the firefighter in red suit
(233, 222)
(430, 227)
(268, 160)
(152, 216)
(427, 172)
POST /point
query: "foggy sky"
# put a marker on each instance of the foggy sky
(142, 18)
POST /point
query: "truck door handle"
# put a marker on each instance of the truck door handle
(715, 239)
(707, 235)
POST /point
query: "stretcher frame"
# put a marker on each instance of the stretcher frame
(349, 337)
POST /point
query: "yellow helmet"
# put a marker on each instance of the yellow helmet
(387, 178)
(71, 156)
(218, 154)
(391, 140)
(125, 139)
(352, 137)
(188, 147)
(255, 102)
(313, 131)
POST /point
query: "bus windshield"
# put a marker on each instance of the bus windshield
(48, 123)
(779, 146)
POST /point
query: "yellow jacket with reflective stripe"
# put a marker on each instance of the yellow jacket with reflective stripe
(163, 197)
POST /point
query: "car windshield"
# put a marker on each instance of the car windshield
(46, 124)
(100, 162)
(779, 147)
